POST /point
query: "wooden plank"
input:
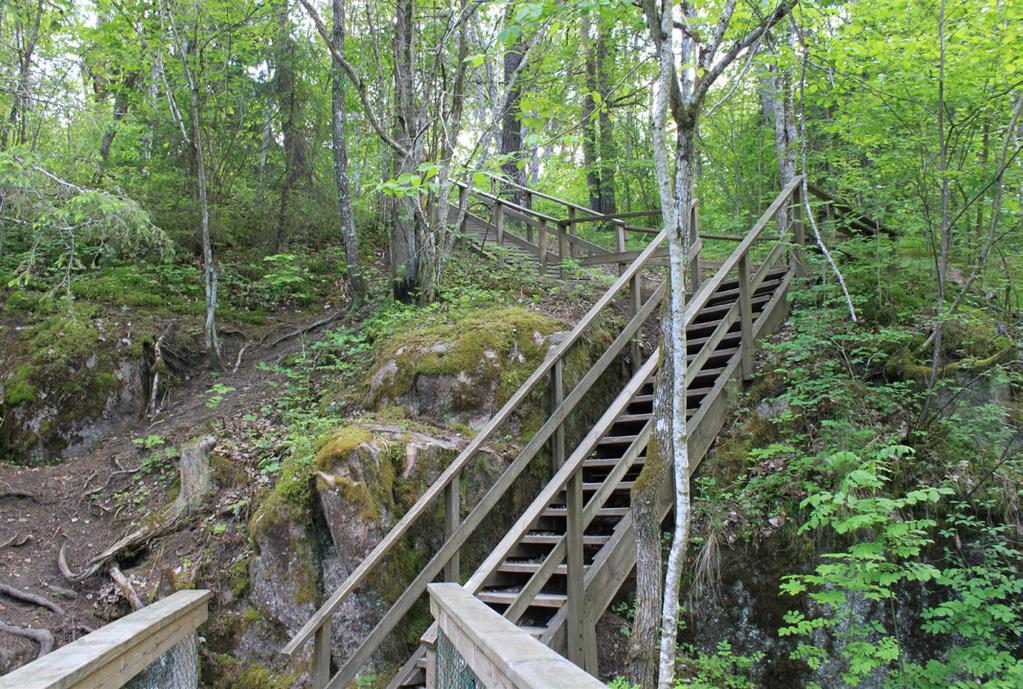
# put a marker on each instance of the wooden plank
(320, 671)
(746, 317)
(114, 653)
(572, 207)
(452, 517)
(575, 555)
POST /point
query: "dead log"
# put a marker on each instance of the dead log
(196, 484)
(127, 590)
(41, 636)
(196, 475)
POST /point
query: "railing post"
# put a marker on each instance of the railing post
(745, 317)
(321, 656)
(542, 243)
(572, 230)
(557, 398)
(620, 233)
(452, 518)
(498, 220)
(694, 241)
(462, 193)
(636, 299)
(528, 198)
(575, 561)
(798, 235)
(562, 244)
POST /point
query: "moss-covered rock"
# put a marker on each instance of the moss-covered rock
(66, 379)
(464, 371)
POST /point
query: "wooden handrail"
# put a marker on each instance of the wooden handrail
(113, 654)
(568, 204)
(496, 651)
(653, 213)
(436, 489)
(507, 204)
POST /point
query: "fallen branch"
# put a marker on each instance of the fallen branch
(65, 569)
(238, 361)
(127, 590)
(19, 494)
(60, 590)
(12, 592)
(305, 329)
(110, 478)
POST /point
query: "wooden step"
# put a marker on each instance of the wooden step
(529, 567)
(617, 440)
(594, 485)
(560, 511)
(626, 418)
(542, 600)
(536, 538)
(605, 462)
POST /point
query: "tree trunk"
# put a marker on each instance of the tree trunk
(406, 222)
(341, 176)
(606, 151)
(589, 116)
(511, 122)
(296, 164)
(120, 112)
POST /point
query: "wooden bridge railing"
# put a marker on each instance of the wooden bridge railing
(563, 230)
(115, 653)
(447, 488)
(481, 648)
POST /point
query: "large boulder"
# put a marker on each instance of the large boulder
(461, 372)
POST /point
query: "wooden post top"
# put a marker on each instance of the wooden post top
(496, 650)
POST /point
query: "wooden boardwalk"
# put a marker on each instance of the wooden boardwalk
(557, 568)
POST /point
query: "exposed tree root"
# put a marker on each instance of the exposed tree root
(30, 598)
(16, 541)
(41, 636)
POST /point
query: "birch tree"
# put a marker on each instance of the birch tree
(692, 53)
(186, 49)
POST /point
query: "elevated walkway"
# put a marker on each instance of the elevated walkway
(559, 565)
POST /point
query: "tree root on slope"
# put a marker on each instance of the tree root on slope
(12, 592)
(41, 636)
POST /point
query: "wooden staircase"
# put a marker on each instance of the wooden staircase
(558, 567)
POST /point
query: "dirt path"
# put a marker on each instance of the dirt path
(89, 501)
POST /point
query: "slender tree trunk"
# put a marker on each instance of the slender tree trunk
(341, 176)
(25, 39)
(945, 241)
(606, 137)
(296, 163)
(589, 116)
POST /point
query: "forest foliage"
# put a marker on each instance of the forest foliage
(219, 161)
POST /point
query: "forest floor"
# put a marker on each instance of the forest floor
(89, 501)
